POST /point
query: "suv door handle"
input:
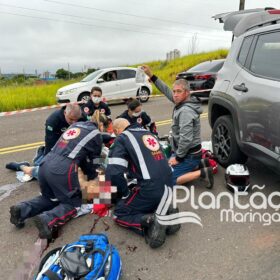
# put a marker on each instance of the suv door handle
(241, 87)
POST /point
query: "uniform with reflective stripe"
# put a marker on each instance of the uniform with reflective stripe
(132, 153)
(58, 175)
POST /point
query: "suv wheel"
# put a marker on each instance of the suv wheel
(224, 142)
(85, 97)
(143, 94)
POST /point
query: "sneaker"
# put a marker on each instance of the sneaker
(15, 166)
(204, 163)
(43, 228)
(155, 233)
(39, 152)
(174, 228)
(209, 177)
(15, 216)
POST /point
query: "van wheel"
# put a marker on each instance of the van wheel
(225, 146)
(143, 94)
(85, 97)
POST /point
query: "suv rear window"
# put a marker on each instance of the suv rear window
(266, 57)
(244, 50)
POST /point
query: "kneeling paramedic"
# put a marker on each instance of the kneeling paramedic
(78, 146)
(138, 151)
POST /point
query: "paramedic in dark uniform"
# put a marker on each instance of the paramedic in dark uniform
(95, 103)
(55, 125)
(138, 150)
(135, 114)
(79, 145)
(58, 122)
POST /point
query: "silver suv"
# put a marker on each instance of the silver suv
(244, 105)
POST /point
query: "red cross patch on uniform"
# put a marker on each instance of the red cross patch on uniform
(71, 133)
(102, 111)
(86, 109)
(139, 120)
(151, 142)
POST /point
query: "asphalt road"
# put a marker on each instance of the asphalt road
(217, 250)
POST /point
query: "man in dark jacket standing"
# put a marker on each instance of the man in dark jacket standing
(79, 145)
(186, 140)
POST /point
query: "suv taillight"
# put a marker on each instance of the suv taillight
(203, 77)
(274, 12)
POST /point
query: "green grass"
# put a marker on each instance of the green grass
(32, 96)
(167, 71)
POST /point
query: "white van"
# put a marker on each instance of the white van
(116, 83)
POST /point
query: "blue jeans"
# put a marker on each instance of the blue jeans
(189, 164)
(38, 160)
(35, 171)
(36, 167)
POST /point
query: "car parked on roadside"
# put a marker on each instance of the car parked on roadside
(202, 76)
(116, 83)
(244, 105)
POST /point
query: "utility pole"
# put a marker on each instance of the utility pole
(68, 71)
(241, 5)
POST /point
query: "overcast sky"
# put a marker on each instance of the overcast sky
(50, 34)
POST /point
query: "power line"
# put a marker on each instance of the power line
(99, 19)
(126, 14)
(98, 26)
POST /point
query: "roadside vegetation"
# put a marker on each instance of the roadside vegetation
(16, 97)
(31, 93)
(167, 71)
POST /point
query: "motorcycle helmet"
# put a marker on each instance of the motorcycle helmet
(237, 177)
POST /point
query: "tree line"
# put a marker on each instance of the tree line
(22, 79)
(65, 74)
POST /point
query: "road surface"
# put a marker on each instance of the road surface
(217, 250)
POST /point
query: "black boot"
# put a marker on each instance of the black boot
(154, 232)
(43, 228)
(174, 228)
(15, 216)
(15, 166)
(204, 163)
(207, 175)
